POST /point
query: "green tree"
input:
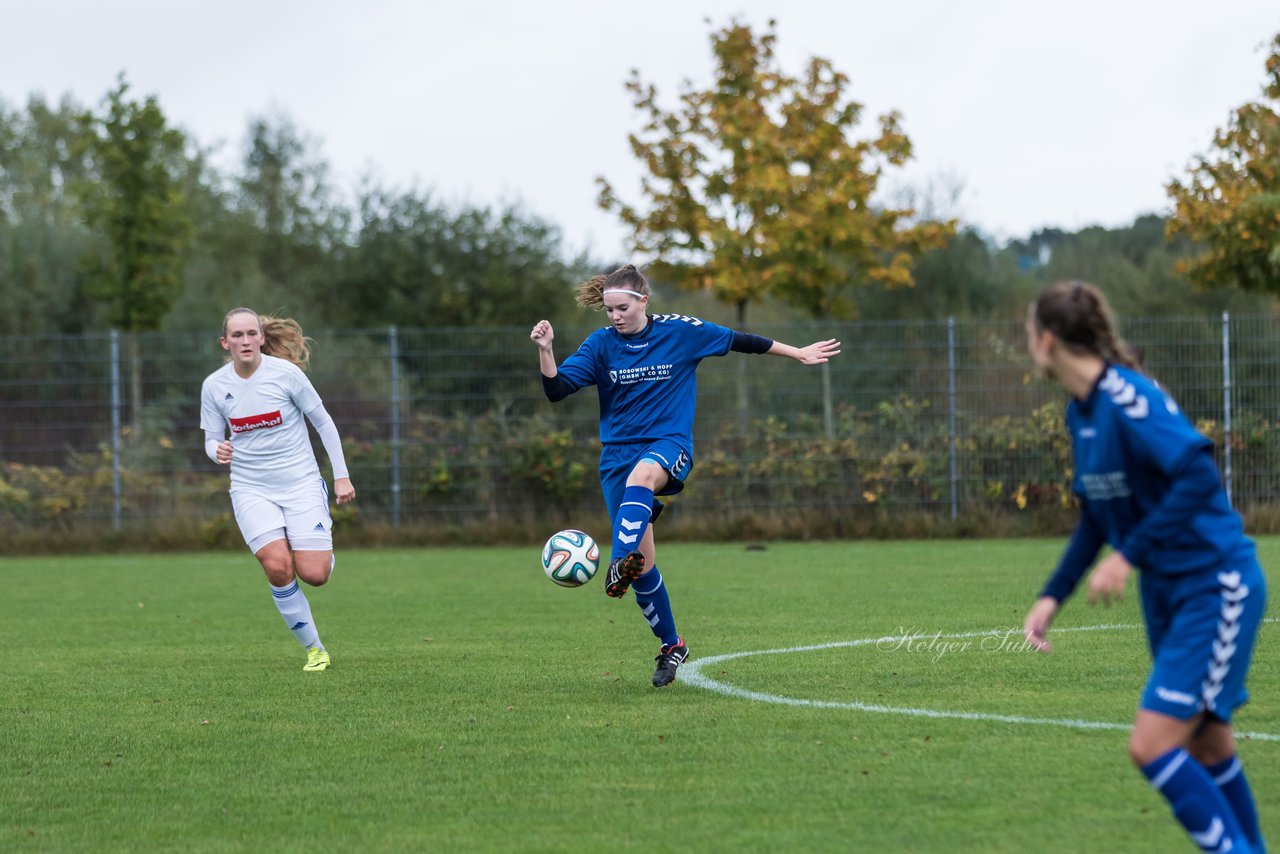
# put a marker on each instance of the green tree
(966, 278)
(299, 220)
(135, 201)
(42, 235)
(757, 185)
(1230, 201)
(268, 235)
(416, 262)
(1137, 266)
(222, 270)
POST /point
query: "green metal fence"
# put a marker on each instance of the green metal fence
(446, 426)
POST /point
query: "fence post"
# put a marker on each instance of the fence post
(951, 410)
(1226, 400)
(393, 340)
(115, 430)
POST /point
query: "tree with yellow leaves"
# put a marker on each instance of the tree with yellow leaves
(1230, 202)
(756, 186)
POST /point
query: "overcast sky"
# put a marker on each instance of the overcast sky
(1062, 114)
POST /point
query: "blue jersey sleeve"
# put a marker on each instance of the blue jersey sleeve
(1155, 433)
(1081, 551)
(579, 370)
(713, 339)
(700, 338)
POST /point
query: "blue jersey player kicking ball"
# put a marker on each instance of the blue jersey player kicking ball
(643, 367)
(1149, 488)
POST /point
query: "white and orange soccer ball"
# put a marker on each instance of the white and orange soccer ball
(571, 558)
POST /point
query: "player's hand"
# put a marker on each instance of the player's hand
(818, 352)
(1036, 624)
(224, 453)
(1106, 584)
(543, 334)
(343, 490)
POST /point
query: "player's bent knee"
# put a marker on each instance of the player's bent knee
(1138, 754)
(278, 572)
(1155, 734)
(649, 474)
(313, 567)
(277, 562)
(1145, 748)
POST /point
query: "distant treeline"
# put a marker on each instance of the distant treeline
(276, 232)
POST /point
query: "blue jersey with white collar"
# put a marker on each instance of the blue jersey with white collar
(647, 382)
(1130, 442)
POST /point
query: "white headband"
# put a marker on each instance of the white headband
(623, 291)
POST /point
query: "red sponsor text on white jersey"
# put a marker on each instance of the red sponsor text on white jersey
(256, 422)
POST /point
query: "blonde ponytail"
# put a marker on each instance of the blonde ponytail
(282, 337)
(590, 294)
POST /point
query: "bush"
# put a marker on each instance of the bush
(886, 472)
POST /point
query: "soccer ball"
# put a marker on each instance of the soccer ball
(570, 558)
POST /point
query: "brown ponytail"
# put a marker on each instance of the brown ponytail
(590, 294)
(1079, 316)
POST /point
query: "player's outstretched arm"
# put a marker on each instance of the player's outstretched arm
(542, 335)
(815, 354)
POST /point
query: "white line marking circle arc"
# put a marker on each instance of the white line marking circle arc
(691, 673)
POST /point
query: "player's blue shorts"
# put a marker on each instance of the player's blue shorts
(617, 461)
(1202, 629)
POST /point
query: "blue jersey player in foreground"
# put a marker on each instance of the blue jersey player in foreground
(643, 368)
(1149, 488)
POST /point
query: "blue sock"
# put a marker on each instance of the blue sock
(1196, 801)
(651, 596)
(632, 519)
(1229, 775)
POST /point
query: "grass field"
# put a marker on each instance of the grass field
(156, 703)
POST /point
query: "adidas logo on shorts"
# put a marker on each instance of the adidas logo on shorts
(319, 526)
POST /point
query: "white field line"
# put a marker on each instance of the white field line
(692, 674)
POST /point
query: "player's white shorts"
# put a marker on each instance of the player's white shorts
(301, 514)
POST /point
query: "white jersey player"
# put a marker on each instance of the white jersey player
(280, 500)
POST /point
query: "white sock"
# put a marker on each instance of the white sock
(296, 611)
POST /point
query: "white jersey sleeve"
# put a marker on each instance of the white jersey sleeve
(304, 393)
(212, 418)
